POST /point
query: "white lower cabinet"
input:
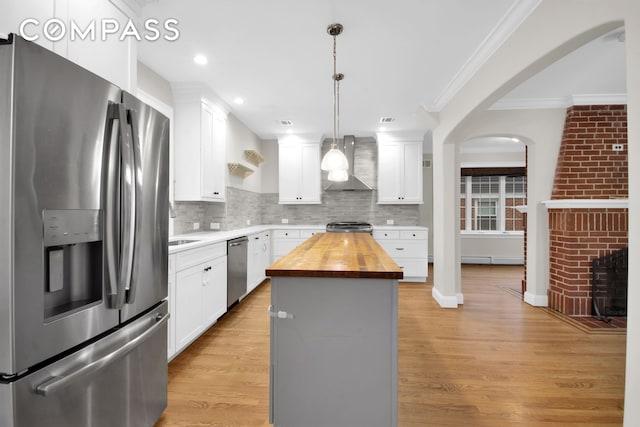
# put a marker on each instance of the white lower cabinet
(409, 249)
(285, 240)
(214, 291)
(200, 292)
(171, 298)
(259, 258)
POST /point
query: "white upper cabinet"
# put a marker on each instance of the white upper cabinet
(299, 171)
(200, 141)
(112, 59)
(16, 13)
(399, 171)
(74, 29)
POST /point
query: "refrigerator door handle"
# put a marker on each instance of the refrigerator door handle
(128, 206)
(136, 200)
(112, 207)
(58, 382)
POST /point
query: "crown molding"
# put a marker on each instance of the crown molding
(600, 99)
(511, 20)
(560, 102)
(531, 103)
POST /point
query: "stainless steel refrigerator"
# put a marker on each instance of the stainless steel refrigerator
(83, 247)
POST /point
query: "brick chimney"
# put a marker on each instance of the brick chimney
(592, 164)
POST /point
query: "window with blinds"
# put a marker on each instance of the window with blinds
(488, 202)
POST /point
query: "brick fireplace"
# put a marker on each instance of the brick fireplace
(586, 218)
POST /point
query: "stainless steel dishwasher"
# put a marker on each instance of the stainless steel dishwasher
(236, 269)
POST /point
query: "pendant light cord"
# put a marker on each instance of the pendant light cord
(336, 93)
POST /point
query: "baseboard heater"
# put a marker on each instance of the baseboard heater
(495, 260)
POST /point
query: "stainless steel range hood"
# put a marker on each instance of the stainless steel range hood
(353, 183)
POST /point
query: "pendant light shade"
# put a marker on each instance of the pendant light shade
(334, 160)
(338, 175)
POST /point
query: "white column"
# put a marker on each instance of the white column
(537, 226)
(632, 382)
(446, 223)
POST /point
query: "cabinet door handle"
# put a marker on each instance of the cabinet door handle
(207, 268)
(399, 249)
(280, 314)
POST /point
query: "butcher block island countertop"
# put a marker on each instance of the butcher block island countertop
(334, 334)
(346, 255)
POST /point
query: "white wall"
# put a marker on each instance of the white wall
(426, 208)
(270, 167)
(240, 138)
(493, 249)
(154, 84)
(632, 380)
(489, 158)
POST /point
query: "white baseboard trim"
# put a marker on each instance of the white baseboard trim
(418, 279)
(536, 300)
(460, 298)
(444, 301)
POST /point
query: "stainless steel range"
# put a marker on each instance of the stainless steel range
(349, 227)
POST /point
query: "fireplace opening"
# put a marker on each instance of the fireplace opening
(609, 285)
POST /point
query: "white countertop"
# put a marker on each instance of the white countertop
(210, 237)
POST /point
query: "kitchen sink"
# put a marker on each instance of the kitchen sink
(181, 242)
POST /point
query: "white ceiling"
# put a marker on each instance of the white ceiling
(396, 56)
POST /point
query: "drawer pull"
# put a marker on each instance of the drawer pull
(399, 249)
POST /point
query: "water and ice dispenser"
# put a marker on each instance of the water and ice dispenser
(73, 260)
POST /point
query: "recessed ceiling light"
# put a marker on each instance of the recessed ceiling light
(238, 101)
(200, 59)
(289, 131)
(382, 128)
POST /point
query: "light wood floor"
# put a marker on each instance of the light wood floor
(494, 362)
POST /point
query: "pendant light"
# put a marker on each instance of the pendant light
(335, 160)
(338, 175)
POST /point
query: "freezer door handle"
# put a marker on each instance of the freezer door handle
(59, 382)
(128, 205)
(135, 221)
(112, 206)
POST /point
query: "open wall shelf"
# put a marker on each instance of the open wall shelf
(239, 169)
(253, 157)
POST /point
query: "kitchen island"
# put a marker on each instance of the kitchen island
(334, 334)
